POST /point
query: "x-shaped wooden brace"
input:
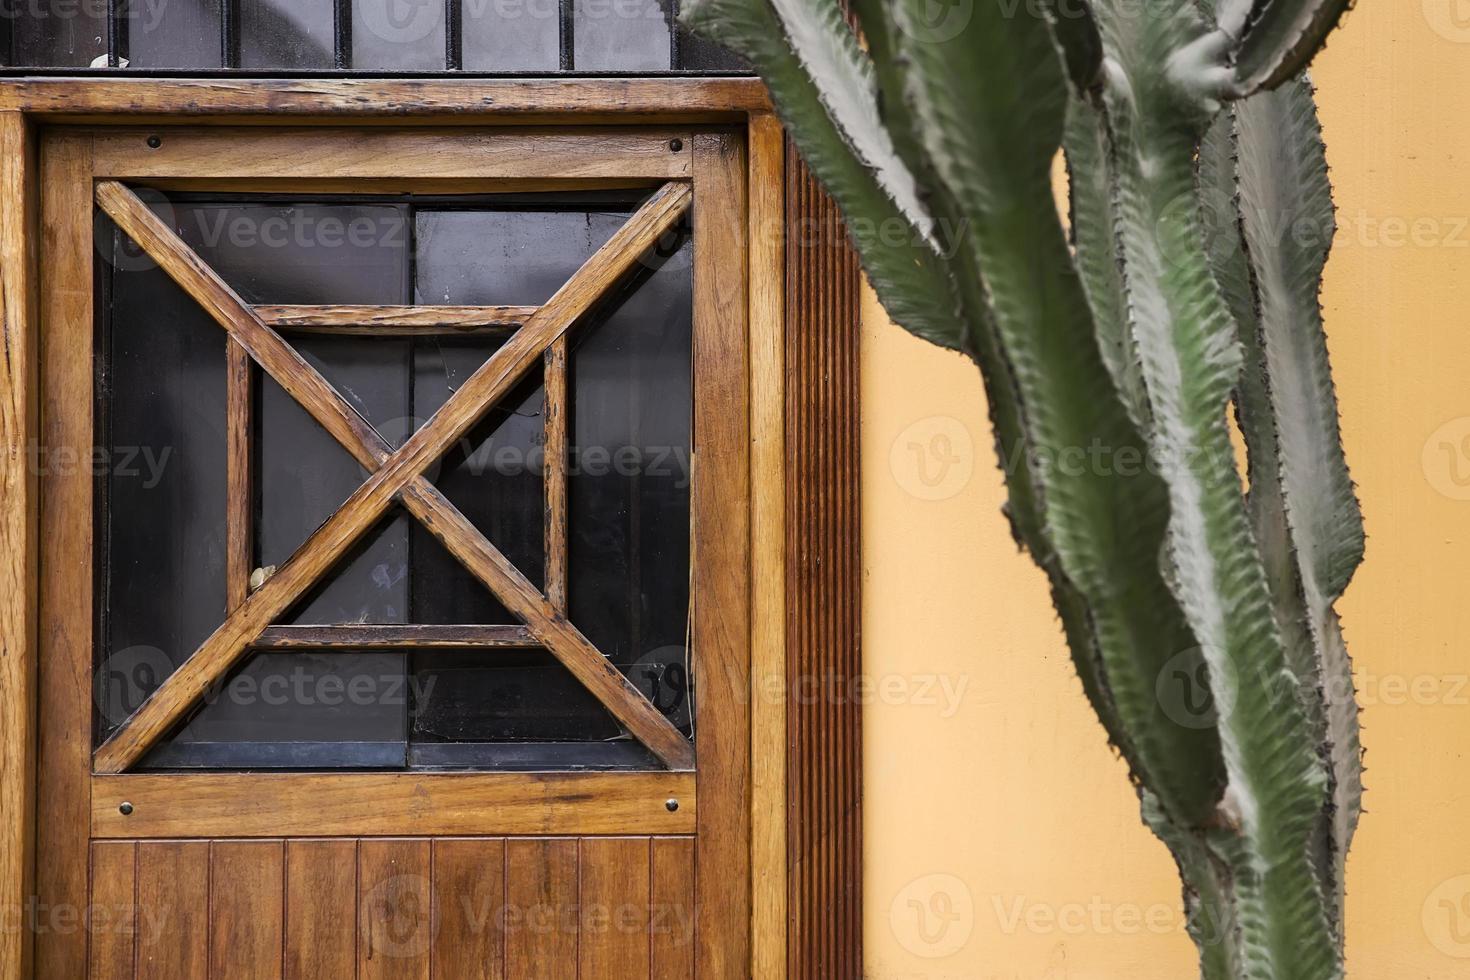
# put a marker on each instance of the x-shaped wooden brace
(395, 476)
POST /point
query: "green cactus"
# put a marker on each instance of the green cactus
(1185, 281)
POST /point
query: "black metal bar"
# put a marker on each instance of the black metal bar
(567, 37)
(454, 34)
(342, 22)
(229, 33)
(116, 33)
(674, 35)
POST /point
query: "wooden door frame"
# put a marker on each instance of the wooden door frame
(800, 858)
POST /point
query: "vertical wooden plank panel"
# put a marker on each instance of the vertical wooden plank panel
(395, 930)
(19, 431)
(614, 904)
(240, 501)
(721, 573)
(672, 924)
(823, 648)
(64, 790)
(321, 909)
(767, 545)
(556, 474)
(114, 911)
(541, 917)
(173, 910)
(469, 894)
(246, 909)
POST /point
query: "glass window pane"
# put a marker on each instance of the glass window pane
(697, 53)
(58, 33)
(511, 35)
(505, 258)
(621, 35)
(629, 478)
(398, 35)
(287, 34)
(173, 34)
(298, 711)
(162, 525)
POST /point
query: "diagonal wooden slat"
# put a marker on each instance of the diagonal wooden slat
(398, 473)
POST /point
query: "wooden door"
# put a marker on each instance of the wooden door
(394, 582)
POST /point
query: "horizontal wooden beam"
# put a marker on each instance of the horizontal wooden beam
(380, 321)
(363, 637)
(391, 804)
(456, 100)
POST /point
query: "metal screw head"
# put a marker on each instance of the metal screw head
(154, 142)
(671, 805)
(125, 809)
(676, 145)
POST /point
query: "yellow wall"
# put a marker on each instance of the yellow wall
(1002, 839)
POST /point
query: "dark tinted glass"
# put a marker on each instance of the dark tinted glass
(58, 33)
(398, 35)
(161, 520)
(172, 34)
(629, 478)
(621, 35)
(511, 35)
(698, 54)
(287, 34)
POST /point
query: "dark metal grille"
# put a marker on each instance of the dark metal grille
(377, 37)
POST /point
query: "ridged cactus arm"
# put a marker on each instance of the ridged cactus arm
(892, 243)
(989, 107)
(1281, 38)
(1186, 338)
(1288, 223)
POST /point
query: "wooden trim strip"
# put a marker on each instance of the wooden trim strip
(824, 586)
(399, 473)
(486, 153)
(384, 321)
(240, 495)
(459, 100)
(555, 463)
(20, 432)
(767, 511)
(351, 638)
(177, 805)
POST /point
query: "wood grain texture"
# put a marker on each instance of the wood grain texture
(541, 896)
(336, 804)
(469, 893)
(173, 904)
(19, 545)
(321, 909)
(481, 154)
(767, 545)
(395, 909)
(720, 543)
(823, 587)
(65, 639)
(240, 492)
(673, 926)
(114, 904)
(396, 321)
(422, 637)
(555, 456)
(398, 473)
(246, 909)
(613, 900)
(456, 101)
